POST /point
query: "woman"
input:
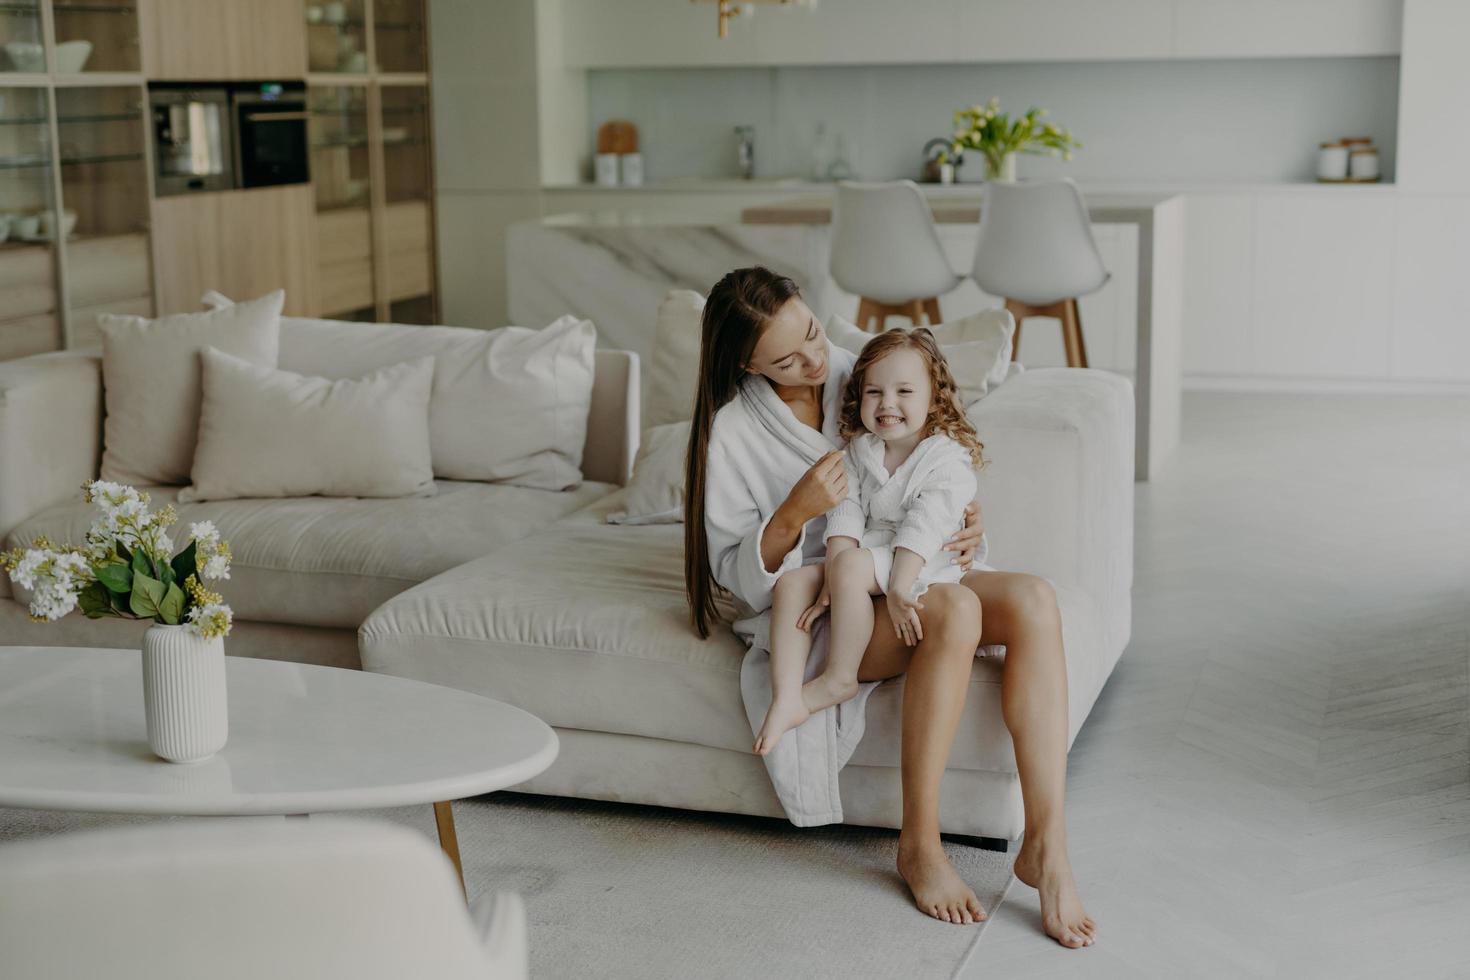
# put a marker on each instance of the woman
(749, 509)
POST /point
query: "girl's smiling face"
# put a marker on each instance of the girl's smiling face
(896, 395)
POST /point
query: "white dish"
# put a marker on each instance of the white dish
(27, 56)
(72, 55)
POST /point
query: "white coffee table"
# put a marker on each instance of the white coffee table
(303, 740)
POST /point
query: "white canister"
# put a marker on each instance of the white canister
(1332, 161)
(184, 693)
(631, 165)
(1363, 163)
(606, 170)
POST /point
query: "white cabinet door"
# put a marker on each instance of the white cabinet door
(1220, 232)
(1323, 285)
(1285, 28)
(1431, 334)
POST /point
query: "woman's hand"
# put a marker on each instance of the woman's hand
(815, 611)
(965, 542)
(903, 610)
(819, 490)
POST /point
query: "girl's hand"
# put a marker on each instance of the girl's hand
(815, 611)
(966, 541)
(903, 610)
(820, 488)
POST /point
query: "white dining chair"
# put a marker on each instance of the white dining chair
(886, 250)
(246, 898)
(1036, 251)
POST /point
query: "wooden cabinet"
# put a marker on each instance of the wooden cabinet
(371, 160)
(242, 243)
(222, 39)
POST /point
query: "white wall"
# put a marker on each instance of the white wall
(1257, 120)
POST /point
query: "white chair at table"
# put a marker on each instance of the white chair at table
(1036, 251)
(232, 899)
(886, 250)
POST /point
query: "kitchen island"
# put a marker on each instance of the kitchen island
(627, 259)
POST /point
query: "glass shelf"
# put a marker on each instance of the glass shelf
(21, 24)
(399, 36)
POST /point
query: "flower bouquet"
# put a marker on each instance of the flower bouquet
(126, 569)
(998, 138)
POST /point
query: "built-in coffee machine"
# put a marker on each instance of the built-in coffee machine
(211, 137)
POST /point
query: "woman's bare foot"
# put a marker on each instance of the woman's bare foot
(824, 690)
(937, 888)
(783, 715)
(1050, 873)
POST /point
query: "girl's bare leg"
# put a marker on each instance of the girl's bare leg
(790, 647)
(1021, 612)
(933, 699)
(851, 584)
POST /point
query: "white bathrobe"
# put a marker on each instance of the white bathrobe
(757, 453)
(918, 506)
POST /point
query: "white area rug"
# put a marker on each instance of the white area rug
(616, 891)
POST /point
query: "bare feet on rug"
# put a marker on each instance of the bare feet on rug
(1050, 873)
(937, 887)
(824, 690)
(781, 717)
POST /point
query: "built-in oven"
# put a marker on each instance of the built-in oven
(193, 148)
(270, 134)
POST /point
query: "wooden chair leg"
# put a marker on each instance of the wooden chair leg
(931, 310)
(1018, 313)
(865, 312)
(914, 310)
(1072, 334)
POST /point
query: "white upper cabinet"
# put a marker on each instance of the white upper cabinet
(679, 33)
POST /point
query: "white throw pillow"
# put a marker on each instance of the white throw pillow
(656, 492)
(675, 361)
(264, 432)
(509, 406)
(151, 386)
(977, 348)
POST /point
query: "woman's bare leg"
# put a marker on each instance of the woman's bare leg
(933, 698)
(851, 584)
(1021, 612)
(790, 647)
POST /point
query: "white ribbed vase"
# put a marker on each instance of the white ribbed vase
(184, 693)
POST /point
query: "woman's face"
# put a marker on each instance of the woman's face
(792, 350)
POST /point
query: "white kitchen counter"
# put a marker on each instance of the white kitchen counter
(614, 265)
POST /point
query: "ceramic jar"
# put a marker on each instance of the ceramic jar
(184, 693)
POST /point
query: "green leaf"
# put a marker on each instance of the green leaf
(116, 577)
(123, 552)
(140, 563)
(148, 592)
(95, 601)
(119, 603)
(172, 606)
(184, 563)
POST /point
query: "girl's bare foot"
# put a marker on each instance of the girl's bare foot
(937, 888)
(824, 690)
(1048, 871)
(783, 715)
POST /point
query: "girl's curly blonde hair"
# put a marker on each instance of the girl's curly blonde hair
(946, 414)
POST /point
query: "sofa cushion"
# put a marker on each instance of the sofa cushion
(324, 561)
(590, 630)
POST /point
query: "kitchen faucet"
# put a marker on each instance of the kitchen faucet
(745, 150)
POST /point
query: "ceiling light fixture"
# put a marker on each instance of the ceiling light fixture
(727, 10)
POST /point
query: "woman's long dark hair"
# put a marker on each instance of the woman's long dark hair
(734, 316)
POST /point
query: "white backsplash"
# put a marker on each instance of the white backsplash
(1228, 120)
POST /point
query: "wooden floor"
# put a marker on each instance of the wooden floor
(1276, 780)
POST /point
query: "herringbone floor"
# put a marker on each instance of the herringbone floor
(1276, 780)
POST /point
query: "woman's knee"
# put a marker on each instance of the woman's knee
(1033, 599)
(952, 614)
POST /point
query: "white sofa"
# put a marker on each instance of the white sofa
(530, 597)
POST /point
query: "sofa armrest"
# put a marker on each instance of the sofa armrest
(50, 431)
(612, 418)
(1057, 493)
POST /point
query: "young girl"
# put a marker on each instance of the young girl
(910, 463)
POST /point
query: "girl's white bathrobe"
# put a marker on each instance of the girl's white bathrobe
(918, 506)
(757, 453)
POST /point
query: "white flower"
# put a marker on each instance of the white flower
(211, 555)
(211, 620)
(205, 533)
(217, 567)
(54, 579)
